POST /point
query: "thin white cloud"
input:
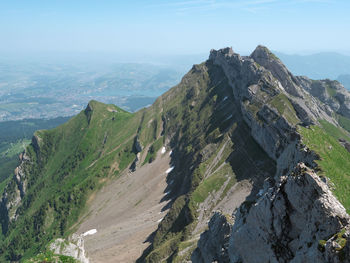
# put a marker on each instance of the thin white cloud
(315, 1)
(203, 5)
(187, 3)
(253, 6)
(255, 10)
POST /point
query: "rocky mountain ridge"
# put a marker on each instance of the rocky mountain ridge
(276, 228)
(241, 160)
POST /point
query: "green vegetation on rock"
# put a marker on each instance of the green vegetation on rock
(49, 257)
(192, 121)
(334, 160)
(344, 122)
(212, 149)
(331, 91)
(334, 131)
(285, 108)
(213, 183)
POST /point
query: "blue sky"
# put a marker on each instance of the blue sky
(173, 27)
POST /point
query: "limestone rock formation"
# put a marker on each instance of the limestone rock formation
(14, 193)
(332, 93)
(296, 218)
(73, 247)
(269, 61)
(289, 221)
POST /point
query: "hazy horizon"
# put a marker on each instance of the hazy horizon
(168, 59)
(148, 28)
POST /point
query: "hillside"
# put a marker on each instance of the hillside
(15, 136)
(241, 155)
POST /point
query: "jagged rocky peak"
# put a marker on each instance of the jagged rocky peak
(226, 51)
(227, 54)
(263, 53)
(264, 57)
(262, 76)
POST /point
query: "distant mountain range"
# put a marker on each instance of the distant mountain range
(319, 66)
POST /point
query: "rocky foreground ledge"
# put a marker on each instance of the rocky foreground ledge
(297, 220)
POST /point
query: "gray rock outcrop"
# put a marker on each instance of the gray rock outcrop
(137, 147)
(255, 88)
(288, 223)
(269, 61)
(14, 192)
(213, 243)
(73, 247)
(296, 219)
(332, 93)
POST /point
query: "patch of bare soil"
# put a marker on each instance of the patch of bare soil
(125, 212)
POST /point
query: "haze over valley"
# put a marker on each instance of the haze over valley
(48, 90)
(62, 87)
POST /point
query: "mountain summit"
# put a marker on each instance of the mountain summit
(240, 162)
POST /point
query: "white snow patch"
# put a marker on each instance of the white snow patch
(163, 150)
(170, 153)
(171, 182)
(225, 98)
(90, 232)
(160, 220)
(169, 170)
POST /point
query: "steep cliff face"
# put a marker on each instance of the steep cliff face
(266, 106)
(289, 222)
(14, 193)
(296, 218)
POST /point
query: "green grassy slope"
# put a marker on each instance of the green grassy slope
(200, 120)
(15, 136)
(68, 163)
(49, 257)
(334, 160)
